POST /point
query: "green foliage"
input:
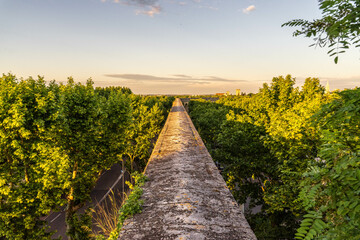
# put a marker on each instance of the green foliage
(133, 203)
(331, 185)
(207, 122)
(149, 114)
(33, 167)
(265, 142)
(248, 162)
(92, 135)
(311, 226)
(293, 141)
(115, 121)
(338, 28)
(106, 91)
(80, 225)
(293, 151)
(274, 226)
(55, 141)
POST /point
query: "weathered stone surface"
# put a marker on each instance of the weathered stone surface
(185, 197)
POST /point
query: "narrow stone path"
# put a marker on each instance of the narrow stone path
(185, 197)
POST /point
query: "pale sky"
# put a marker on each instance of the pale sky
(166, 46)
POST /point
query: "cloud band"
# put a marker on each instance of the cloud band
(174, 78)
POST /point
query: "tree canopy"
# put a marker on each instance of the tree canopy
(291, 151)
(57, 139)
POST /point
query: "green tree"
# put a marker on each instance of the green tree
(92, 135)
(248, 163)
(208, 117)
(145, 126)
(106, 91)
(293, 141)
(115, 121)
(338, 28)
(33, 168)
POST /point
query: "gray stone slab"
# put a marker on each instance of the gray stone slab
(185, 198)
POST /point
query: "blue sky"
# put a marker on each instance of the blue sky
(166, 46)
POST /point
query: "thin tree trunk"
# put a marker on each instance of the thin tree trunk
(123, 180)
(70, 210)
(26, 174)
(132, 169)
(69, 215)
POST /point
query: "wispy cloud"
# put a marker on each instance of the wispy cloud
(249, 9)
(153, 7)
(172, 79)
(141, 2)
(181, 76)
(149, 12)
(147, 7)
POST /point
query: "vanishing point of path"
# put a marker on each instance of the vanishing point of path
(185, 197)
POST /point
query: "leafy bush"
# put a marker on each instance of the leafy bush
(132, 204)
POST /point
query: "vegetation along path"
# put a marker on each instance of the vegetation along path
(185, 197)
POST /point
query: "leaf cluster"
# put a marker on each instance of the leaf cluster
(339, 27)
(133, 203)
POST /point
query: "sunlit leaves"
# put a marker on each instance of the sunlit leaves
(332, 184)
(148, 116)
(32, 166)
(55, 140)
(265, 143)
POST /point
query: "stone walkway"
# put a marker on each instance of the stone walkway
(185, 197)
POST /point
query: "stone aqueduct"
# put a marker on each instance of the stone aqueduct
(185, 197)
